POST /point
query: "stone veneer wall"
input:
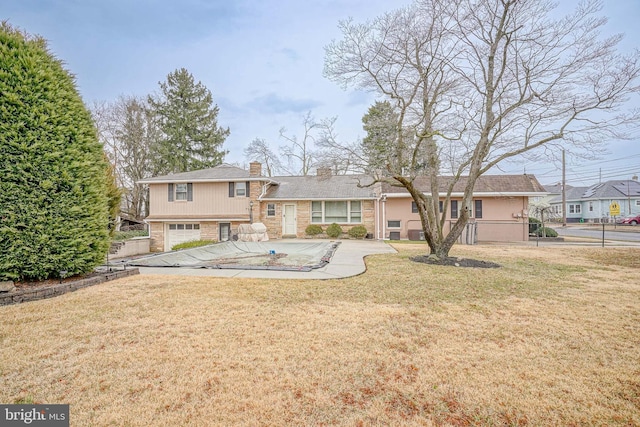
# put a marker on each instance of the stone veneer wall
(209, 231)
(156, 232)
(273, 223)
(303, 215)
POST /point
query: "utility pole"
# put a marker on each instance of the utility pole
(564, 192)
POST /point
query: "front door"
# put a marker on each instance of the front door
(289, 220)
(225, 231)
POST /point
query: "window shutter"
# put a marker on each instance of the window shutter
(454, 209)
(170, 192)
(190, 192)
(232, 192)
(248, 193)
(478, 208)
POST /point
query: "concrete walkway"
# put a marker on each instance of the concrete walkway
(347, 261)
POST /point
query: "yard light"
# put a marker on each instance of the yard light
(251, 212)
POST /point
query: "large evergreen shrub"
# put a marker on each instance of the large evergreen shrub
(54, 190)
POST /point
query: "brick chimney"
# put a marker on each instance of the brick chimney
(323, 172)
(255, 169)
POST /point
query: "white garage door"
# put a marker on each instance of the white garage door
(180, 233)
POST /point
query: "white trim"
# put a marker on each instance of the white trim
(186, 220)
(475, 194)
(180, 181)
(315, 199)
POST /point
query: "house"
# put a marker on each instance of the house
(212, 203)
(498, 211)
(591, 204)
(291, 203)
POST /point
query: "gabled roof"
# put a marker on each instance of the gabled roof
(224, 172)
(614, 189)
(320, 187)
(522, 185)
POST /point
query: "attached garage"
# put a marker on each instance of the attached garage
(180, 233)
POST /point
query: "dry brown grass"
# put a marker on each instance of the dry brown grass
(549, 339)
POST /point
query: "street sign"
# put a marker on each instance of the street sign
(614, 209)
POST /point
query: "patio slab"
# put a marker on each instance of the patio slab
(347, 261)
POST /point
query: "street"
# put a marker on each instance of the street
(595, 232)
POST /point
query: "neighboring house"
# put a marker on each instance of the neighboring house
(212, 203)
(499, 207)
(591, 204)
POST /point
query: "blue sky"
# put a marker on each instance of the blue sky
(262, 61)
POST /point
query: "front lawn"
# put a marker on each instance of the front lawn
(550, 338)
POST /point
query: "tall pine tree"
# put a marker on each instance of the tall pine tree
(188, 120)
(54, 177)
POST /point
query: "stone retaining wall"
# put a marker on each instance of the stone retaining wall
(25, 295)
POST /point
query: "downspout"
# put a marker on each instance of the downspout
(384, 215)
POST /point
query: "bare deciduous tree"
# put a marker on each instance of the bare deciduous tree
(476, 82)
(300, 153)
(260, 151)
(128, 130)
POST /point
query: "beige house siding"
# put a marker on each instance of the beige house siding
(209, 198)
(503, 218)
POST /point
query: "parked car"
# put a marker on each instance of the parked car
(632, 220)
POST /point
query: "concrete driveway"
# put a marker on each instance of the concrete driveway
(347, 261)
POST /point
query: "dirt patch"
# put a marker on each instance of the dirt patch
(455, 262)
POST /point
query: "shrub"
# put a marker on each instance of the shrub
(192, 244)
(358, 232)
(313, 230)
(548, 232)
(54, 188)
(126, 235)
(534, 224)
(333, 231)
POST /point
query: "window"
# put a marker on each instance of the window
(355, 212)
(454, 209)
(478, 208)
(590, 206)
(271, 209)
(316, 212)
(184, 226)
(638, 202)
(241, 189)
(441, 206)
(336, 211)
(238, 189)
(575, 209)
(414, 207)
(393, 224)
(179, 192)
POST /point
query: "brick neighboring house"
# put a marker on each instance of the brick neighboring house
(212, 203)
(499, 207)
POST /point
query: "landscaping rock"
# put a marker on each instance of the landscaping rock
(7, 286)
